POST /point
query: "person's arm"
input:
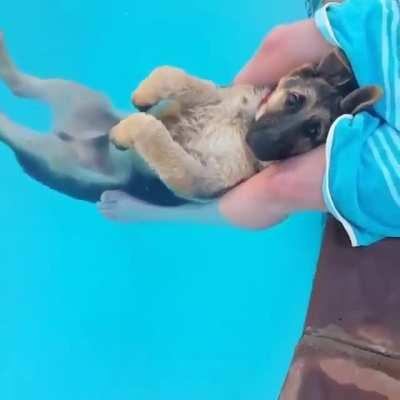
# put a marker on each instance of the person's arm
(295, 184)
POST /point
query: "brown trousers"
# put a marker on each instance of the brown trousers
(351, 344)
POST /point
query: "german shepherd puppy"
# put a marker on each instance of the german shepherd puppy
(202, 140)
(196, 140)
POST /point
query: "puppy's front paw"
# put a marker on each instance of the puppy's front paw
(161, 84)
(130, 130)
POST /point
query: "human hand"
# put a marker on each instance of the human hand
(295, 184)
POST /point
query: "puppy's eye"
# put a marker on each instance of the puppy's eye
(294, 100)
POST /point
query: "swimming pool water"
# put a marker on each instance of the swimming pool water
(91, 310)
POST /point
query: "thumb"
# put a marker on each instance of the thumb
(255, 72)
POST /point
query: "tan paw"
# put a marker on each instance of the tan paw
(130, 130)
(162, 83)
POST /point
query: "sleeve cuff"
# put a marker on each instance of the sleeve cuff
(323, 24)
(327, 195)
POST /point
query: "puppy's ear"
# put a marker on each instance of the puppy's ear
(305, 71)
(361, 99)
(335, 68)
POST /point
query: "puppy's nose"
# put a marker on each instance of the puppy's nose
(120, 147)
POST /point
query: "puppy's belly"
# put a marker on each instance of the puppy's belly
(66, 164)
(225, 157)
(63, 167)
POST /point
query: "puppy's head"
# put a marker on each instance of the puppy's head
(296, 116)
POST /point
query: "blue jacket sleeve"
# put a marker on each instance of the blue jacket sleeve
(362, 182)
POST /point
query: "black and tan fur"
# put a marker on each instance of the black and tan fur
(202, 140)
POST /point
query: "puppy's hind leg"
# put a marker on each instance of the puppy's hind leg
(78, 110)
(8, 71)
(44, 155)
(20, 138)
(20, 84)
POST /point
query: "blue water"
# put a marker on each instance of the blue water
(90, 310)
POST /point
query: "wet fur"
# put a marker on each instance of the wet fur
(199, 148)
(215, 135)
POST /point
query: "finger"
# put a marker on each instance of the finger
(269, 63)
